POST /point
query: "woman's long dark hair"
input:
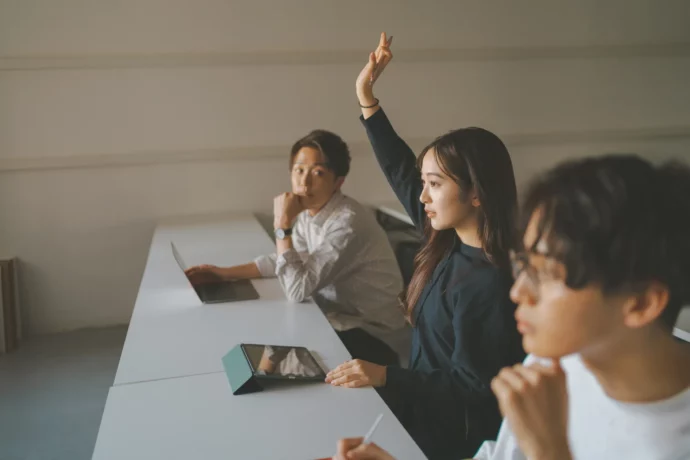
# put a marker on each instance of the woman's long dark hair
(480, 164)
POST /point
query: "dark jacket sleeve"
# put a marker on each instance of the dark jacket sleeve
(484, 342)
(399, 164)
(437, 388)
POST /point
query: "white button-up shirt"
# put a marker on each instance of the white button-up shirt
(342, 259)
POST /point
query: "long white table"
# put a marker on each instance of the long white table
(171, 398)
(682, 329)
(172, 334)
(199, 418)
(395, 209)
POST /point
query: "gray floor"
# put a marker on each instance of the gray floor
(52, 394)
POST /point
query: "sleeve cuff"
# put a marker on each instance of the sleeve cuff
(396, 377)
(265, 265)
(287, 258)
(378, 121)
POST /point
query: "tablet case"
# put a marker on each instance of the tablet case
(239, 372)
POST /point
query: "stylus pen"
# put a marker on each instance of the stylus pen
(368, 436)
(370, 433)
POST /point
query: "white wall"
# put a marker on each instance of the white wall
(116, 113)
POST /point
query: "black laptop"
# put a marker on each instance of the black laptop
(220, 291)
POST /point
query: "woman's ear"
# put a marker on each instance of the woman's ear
(339, 182)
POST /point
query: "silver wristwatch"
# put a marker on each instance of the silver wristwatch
(282, 233)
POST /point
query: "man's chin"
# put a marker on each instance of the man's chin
(534, 346)
(309, 202)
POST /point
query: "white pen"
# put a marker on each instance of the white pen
(370, 433)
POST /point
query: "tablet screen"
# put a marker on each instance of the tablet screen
(281, 361)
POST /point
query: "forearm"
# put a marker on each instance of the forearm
(240, 272)
(366, 101)
(283, 245)
(436, 388)
(398, 163)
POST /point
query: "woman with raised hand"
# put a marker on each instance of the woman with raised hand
(460, 193)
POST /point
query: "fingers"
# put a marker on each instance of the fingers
(350, 380)
(341, 370)
(383, 53)
(552, 370)
(383, 57)
(377, 61)
(386, 56)
(530, 375)
(556, 367)
(341, 374)
(359, 383)
(383, 46)
(503, 393)
(346, 445)
(372, 61)
(368, 452)
(508, 386)
(513, 377)
(349, 374)
(197, 269)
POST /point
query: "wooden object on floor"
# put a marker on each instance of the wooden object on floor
(10, 326)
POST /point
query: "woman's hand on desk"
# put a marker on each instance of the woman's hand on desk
(353, 449)
(204, 274)
(357, 373)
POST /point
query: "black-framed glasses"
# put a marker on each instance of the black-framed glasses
(520, 263)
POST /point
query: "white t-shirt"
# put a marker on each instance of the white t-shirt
(602, 428)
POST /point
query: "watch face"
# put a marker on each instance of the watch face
(280, 233)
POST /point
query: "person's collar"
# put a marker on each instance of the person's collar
(325, 212)
(472, 252)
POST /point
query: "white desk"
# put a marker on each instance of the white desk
(219, 240)
(199, 418)
(682, 329)
(171, 398)
(395, 209)
(173, 335)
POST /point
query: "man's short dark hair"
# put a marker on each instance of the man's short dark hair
(617, 221)
(330, 145)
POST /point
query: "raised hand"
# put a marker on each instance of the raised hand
(378, 60)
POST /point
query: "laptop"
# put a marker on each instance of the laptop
(220, 291)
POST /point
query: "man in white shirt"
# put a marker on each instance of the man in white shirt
(332, 249)
(603, 275)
